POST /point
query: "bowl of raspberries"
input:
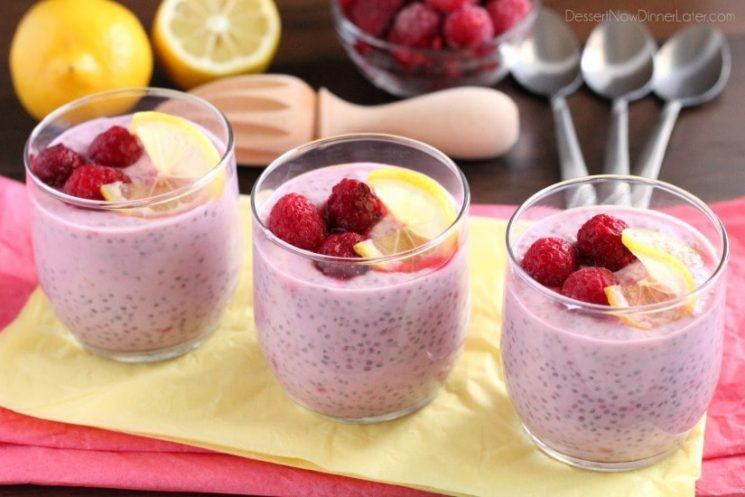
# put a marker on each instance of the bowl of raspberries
(410, 47)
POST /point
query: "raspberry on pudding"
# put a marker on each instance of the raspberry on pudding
(297, 221)
(599, 243)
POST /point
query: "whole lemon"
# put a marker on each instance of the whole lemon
(66, 49)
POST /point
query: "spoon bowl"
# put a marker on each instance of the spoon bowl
(618, 59)
(691, 68)
(548, 64)
(549, 61)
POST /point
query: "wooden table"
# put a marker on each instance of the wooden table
(703, 156)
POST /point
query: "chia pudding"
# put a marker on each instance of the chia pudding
(367, 348)
(588, 386)
(132, 287)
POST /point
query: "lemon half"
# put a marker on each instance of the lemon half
(201, 40)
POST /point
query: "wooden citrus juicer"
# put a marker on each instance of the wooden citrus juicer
(272, 113)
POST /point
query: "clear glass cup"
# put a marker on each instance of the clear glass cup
(380, 344)
(137, 280)
(613, 389)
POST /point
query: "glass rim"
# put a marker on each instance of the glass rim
(344, 23)
(352, 137)
(604, 309)
(193, 186)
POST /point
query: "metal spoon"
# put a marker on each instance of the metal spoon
(548, 64)
(618, 63)
(691, 68)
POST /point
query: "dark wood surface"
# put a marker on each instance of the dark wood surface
(705, 155)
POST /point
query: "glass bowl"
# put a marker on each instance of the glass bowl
(407, 71)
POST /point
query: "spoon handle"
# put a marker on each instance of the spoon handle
(617, 152)
(570, 154)
(653, 153)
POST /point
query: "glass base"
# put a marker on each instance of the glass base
(607, 467)
(145, 356)
(373, 419)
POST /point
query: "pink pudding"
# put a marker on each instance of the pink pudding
(366, 348)
(138, 284)
(589, 386)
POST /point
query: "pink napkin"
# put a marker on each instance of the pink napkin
(50, 453)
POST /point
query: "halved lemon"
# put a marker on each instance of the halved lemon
(419, 209)
(201, 40)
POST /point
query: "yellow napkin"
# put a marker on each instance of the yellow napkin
(468, 441)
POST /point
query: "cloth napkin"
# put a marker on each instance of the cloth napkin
(424, 450)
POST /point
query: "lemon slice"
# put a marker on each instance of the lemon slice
(668, 260)
(201, 40)
(419, 209)
(666, 274)
(643, 292)
(177, 147)
(388, 237)
(414, 199)
(149, 187)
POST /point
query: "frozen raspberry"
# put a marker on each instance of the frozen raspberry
(340, 245)
(587, 285)
(115, 147)
(416, 25)
(550, 260)
(297, 221)
(352, 206)
(55, 164)
(86, 180)
(374, 16)
(468, 27)
(448, 5)
(599, 243)
(506, 13)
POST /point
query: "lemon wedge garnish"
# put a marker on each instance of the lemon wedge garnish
(668, 260)
(388, 237)
(414, 199)
(177, 147)
(667, 274)
(201, 40)
(643, 292)
(146, 188)
(419, 210)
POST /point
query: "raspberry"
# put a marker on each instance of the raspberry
(86, 180)
(550, 260)
(448, 5)
(599, 243)
(416, 25)
(587, 285)
(340, 245)
(374, 16)
(352, 206)
(297, 221)
(506, 13)
(55, 164)
(115, 147)
(468, 27)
